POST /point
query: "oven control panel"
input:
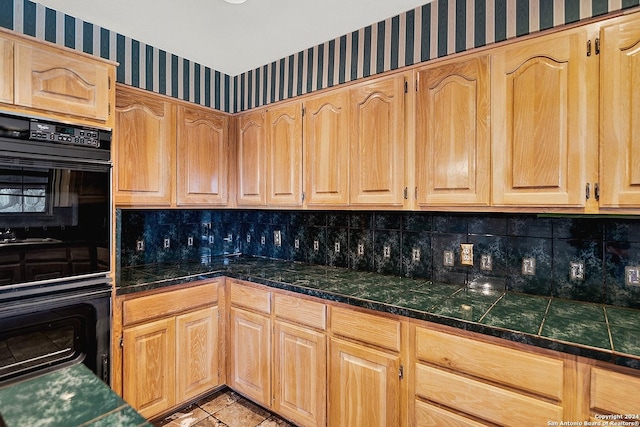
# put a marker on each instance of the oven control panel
(41, 131)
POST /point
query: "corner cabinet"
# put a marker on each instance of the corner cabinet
(170, 348)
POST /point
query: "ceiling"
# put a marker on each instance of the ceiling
(233, 38)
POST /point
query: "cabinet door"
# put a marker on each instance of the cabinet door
(251, 159)
(326, 149)
(52, 80)
(377, 145)
(149, 366)
(6, 71)
(197, 353)
(539, 121)
(364, 386)
(453, 135)
(284, 155)
(201, 157)
(143, 149)
(300, 374)
(620, 114)
(250, 356)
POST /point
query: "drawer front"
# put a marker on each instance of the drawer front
(433, 416)
(250, 297)
(305, 312)
(166, 303)
(503, 365)
(483, 400)
(614, 393)
(369, 328)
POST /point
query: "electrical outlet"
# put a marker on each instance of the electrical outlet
(211, 239)
(296, 243)
(316, 245)
(448, 258)
(576, 270)
(263, 240)
(277, 238)
(139, 245)
(360, 249)
(415, 255)
(529, 266)
(486, 262)
(248, 238)
(190, 241)
(167, 243)
(632, 275)
(386, 252)
(466, 253)
(336, 247)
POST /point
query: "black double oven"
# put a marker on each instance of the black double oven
(55, 245)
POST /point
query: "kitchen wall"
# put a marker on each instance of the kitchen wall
(436, 29)
(357, 240)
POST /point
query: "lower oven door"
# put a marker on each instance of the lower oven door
(42, 332)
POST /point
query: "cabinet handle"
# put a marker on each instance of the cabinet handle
(588, 191)
(588, 47)
(597, 45)
(596, 191)
(406, 193)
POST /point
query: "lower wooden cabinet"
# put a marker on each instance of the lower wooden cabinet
(169, 347)
(613, 393)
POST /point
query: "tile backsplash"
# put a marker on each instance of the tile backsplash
(582, 258)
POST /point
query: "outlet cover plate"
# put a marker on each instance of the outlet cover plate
(576, 270)
(529, 266)
(632, 275)
(448, 258)
(466, 253)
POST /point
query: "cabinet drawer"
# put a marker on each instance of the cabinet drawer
(433, 416)
(613, 392)
(250, 297)
(483, 400)
(170, 302)
(305, 312)
(365, 327)
(503, 365)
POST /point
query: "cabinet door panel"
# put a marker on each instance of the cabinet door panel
(144, 149)
(251, 355)
(377, 144)
(202, 157)
(6, 71)
(149, 366)
(620, 115)
(197, 361)
(300, 374)
(539, 122)
(452, 134)
(284, 160)
(326, 149)
(251, 159)
(54, 81)
(363, 386)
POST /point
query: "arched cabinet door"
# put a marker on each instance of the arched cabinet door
(539, 121)
(251, 151)
(620, 114)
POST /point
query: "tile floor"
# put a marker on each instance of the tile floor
(223, 408)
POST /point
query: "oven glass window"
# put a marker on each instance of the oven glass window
(23, 191)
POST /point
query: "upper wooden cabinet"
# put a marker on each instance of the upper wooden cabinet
(326, 149)
(202, 151)
(143, 149)
(284, 155)
(377, 142)
(45, 79)
(540, 106)
(620, 114)
(252, 159)
(452, 133)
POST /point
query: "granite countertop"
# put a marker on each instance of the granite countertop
(69, 396)
(596, 331)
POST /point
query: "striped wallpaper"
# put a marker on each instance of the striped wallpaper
(433, 30)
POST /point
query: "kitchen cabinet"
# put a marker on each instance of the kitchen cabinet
(619, 177)
(364, 369)
(453, 134)
(169, 347)
(540, 105)
(250, 338)
(326, 149)
(613, 392)
(284, 155)
(252, 157)
(377, 142)
(143, 149)
(461, 380)
(202, 157)
(44, 79)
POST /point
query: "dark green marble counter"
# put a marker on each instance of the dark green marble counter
(596, 331)
(70, 396)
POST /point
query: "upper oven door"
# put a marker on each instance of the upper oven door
(55, 216)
